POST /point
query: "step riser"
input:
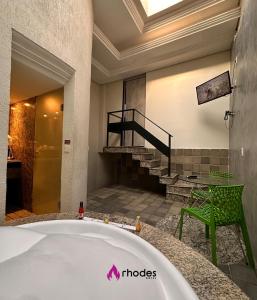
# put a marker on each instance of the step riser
(150, 164)
(168, 181)
(158, 172)
(142, 157)
(178, 190)
(176, 198)
(125, 150)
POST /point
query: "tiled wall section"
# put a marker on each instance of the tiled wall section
(197, 161)
(22, 131)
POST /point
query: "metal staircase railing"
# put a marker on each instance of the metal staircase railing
(132, 125)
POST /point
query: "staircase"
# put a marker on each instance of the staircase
(176, 189)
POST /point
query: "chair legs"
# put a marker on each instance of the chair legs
(213, 244)
(247, 244)
(211, 228)
(181, 223)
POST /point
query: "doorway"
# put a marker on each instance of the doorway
(34, 143)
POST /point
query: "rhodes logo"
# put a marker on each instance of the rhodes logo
(147, 274)
(113, 271)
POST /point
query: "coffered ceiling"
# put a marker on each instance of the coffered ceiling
(126, 42)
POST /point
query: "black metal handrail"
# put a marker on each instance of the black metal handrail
(113, 113)
(134, 109)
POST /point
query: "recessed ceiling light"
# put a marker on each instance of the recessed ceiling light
(152, 7)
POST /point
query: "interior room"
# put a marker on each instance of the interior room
(34, 143)
(128, 150)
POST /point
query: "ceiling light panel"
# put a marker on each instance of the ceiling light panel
(152, 7)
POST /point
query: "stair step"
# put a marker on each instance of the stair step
(142, 156)
(183, 183)
(125, 150)
(182, 187)
(170, 198)
(181, 190)
(150, 163)
(178, 190)
(172, 179)
(159, 171)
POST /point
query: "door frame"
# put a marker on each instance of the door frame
(124, 101)
(34, 56)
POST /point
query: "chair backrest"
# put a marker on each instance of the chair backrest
(229, 200)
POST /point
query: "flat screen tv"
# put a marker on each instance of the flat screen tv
(214, 88)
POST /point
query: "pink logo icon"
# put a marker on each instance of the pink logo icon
(113, 271)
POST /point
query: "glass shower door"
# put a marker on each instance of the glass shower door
(48, 153)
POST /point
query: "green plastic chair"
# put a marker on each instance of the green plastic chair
(224, 208)
(220, 174)
(200, 194)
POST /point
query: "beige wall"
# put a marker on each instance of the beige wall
(99, 167)
(171, 102)
(64, 28)
(103, 99)
(112, 101)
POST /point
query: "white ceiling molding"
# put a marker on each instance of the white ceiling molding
(195, 7)
(180, 34)
(27, 52)
(157, 23)
(154, 65)
(106, 42)
(100, 67)
(190, 42)
(134, 13)
(169, 38)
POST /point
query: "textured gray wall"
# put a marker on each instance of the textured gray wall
(64, 28)
(101, 171)
(244, 124)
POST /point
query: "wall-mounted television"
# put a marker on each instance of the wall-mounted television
(214, 88)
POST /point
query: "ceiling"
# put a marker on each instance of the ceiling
(126, 42)
(33, 84)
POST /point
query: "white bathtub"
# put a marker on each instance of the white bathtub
(71, 259)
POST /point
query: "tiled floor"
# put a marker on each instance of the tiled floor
(154, 210)
(22, 213)
(130, 202)
(244, 277)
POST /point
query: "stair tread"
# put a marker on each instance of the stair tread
(179, 194)
(134, 147)
(172, 175)
(182, 184)
(151, 160)
(126, 150)
(159, 168)
(142, 153)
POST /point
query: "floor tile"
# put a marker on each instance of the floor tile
(244, 273)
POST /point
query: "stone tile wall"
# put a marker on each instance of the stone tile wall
(197, 161)
(22, 132)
